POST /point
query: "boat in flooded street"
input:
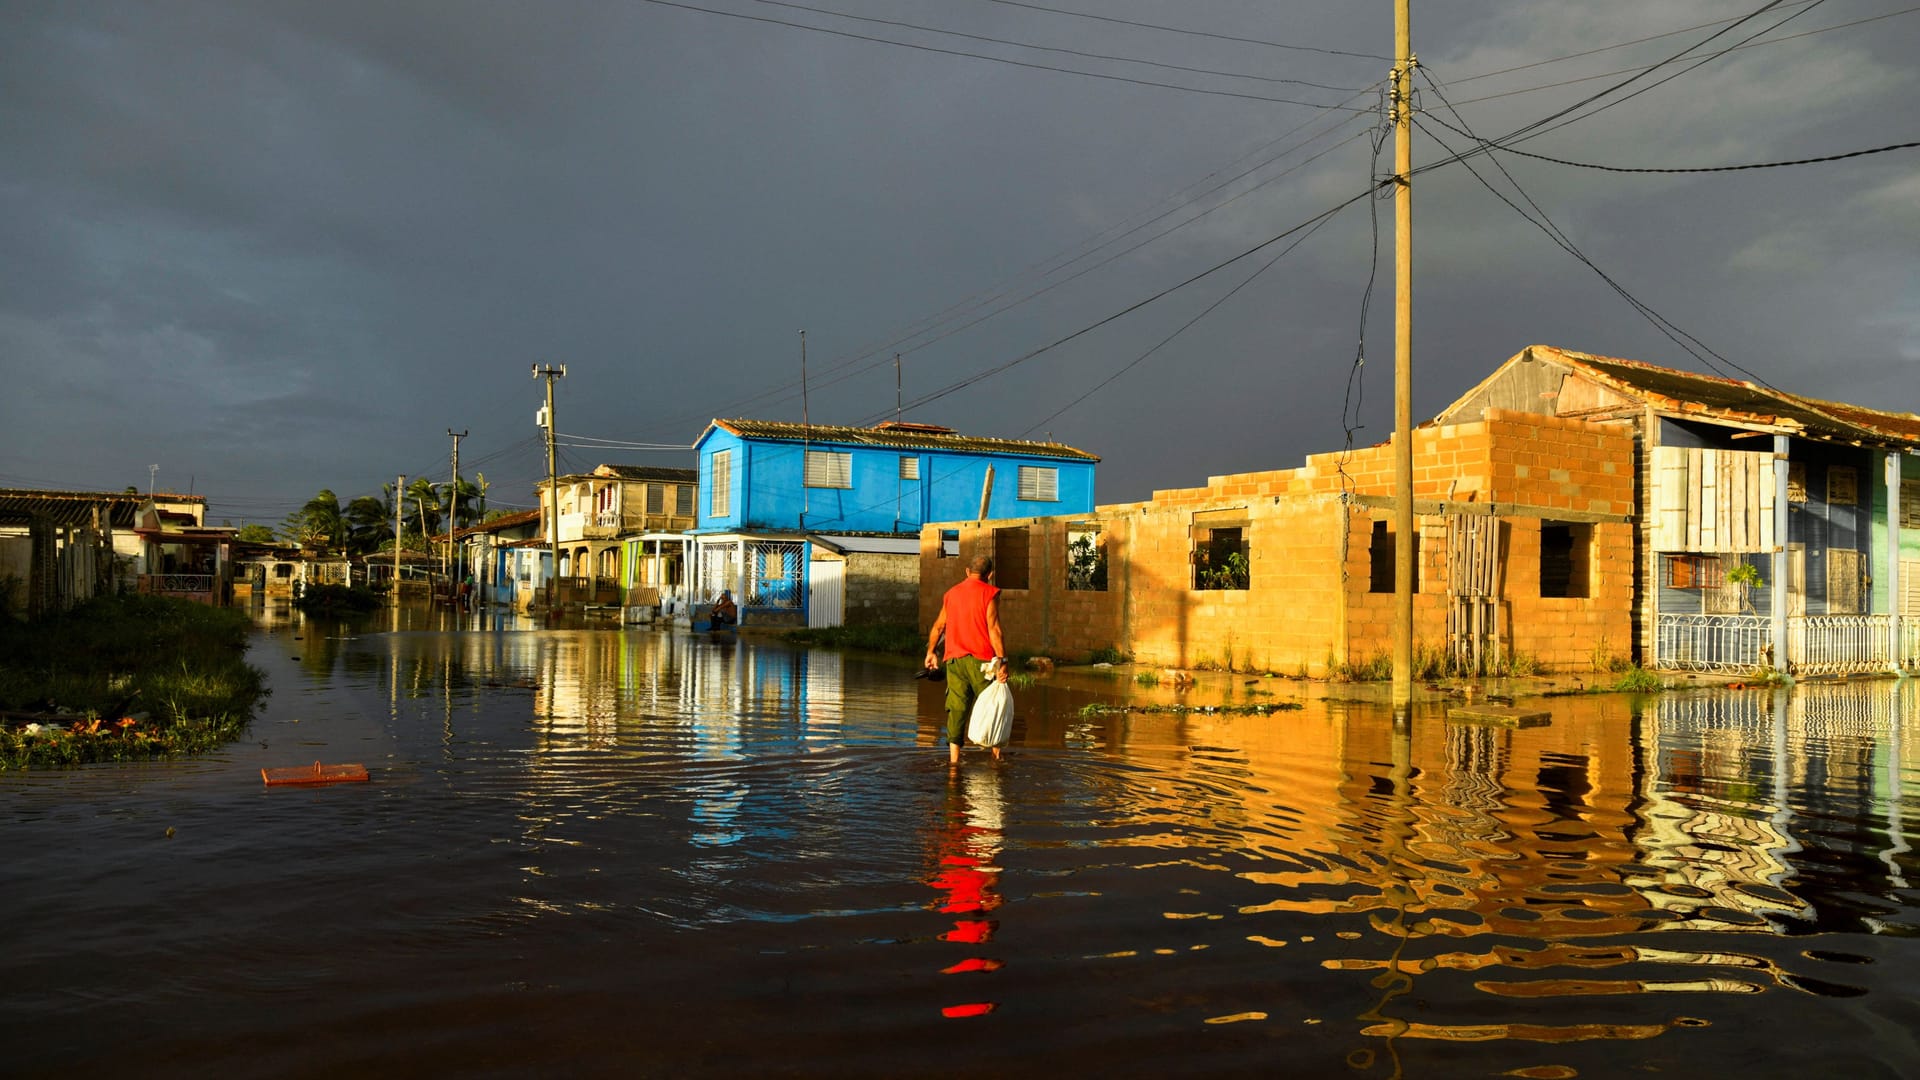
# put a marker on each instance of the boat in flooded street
(603, 850)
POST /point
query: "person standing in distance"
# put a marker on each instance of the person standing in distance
(970, 618)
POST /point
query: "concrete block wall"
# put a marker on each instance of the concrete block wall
(882, 589)
(1308, 607)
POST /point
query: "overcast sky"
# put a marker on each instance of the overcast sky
(274, 246)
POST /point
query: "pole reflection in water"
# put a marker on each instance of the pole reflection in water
(966, 841)
(629, 851)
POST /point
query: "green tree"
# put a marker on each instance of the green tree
(256, 534)
(319, 524)
(369, 523)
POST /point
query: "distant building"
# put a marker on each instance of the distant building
(804, 523)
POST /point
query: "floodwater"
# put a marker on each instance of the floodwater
(607, 852)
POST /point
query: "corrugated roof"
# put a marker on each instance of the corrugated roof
(897, 438)
(1713, 397)
(20, 506)
(653, 473)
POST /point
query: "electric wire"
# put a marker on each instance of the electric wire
(1191, 33)
(1052, 48)
(980, 56)
(1591, 52)
(1356, 390)
(1184, 327)
(1630, 70)
(963, 383)
(1704, 169)
(1686, 341)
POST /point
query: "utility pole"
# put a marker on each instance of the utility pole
(551, 511)
(1403, 65)
(399, 515)
(806, 436)
(453, 504)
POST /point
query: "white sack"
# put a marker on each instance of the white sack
(991, 721)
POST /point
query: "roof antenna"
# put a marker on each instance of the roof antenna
(896, 388)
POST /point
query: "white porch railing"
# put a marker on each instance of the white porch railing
(1727, 643)
(1816, 644)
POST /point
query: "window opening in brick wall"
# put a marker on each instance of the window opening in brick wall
(949, 543)
(1010, 557)
(1221, 555)
(1566, 559)
(720, 499)
(829, 469)
(1086, 558)
(1380, 560)
(1039, 483)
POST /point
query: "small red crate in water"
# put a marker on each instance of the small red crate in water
(315, 774)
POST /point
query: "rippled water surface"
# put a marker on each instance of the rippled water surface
(633, 852)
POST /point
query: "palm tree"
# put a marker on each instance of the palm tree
(423, 502)
(369, 522)
(319, 523)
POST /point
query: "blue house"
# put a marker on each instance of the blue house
(803, 522)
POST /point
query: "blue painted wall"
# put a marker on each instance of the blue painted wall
(768, 495)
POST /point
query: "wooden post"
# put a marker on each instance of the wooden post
(986, 493)
(1403, 567)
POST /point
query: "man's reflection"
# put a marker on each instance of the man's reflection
(966, 840)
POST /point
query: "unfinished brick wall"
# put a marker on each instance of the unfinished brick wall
(1308, 608)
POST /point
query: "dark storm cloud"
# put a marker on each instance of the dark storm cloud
(281, 246)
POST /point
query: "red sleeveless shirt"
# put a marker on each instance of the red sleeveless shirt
(966, 608)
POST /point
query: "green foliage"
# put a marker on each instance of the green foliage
(337, 599)
(129, 677)
(1638, 680)
(1021, 680)
(1232, 573)
(899, 640)
(256, 534)
(1147, 678)
(1268, 708)
(1107, 654)
(1087, 564)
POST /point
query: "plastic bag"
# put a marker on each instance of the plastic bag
(991, 721)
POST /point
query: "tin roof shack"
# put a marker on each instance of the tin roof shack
(1523, 543)
(1769, 524)
(772, 489)
(58, 548)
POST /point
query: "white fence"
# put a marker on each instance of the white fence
(1816, 644)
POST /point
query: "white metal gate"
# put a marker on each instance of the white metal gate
(827, 592)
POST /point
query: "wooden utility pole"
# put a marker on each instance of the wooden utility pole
(453, 505)
(1403, 548)
(399, 515)
(551, 512)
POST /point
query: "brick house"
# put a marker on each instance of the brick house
(1291, 570)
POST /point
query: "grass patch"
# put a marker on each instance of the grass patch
(899, 640)
(1147, 678)
(1108, 655)
(1638, 680)
(124, 678)
(1259, 709)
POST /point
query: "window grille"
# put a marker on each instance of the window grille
(656, 498)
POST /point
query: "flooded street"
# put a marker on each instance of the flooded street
(630, 852)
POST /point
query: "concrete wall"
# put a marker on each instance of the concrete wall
(882, 589)
(1308, 608)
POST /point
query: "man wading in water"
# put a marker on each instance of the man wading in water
(970, 617)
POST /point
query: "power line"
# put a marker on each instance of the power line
(1204, 312)
(970, 380)
(1627, 71)
(1704, 169)
(980, 56)
(1545, 224)
(1592, 52)
(1191, 33)
(1052, 48)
